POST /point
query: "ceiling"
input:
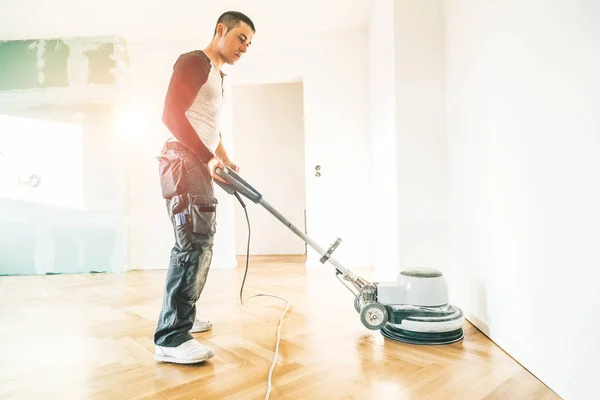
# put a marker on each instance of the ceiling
(141, 20)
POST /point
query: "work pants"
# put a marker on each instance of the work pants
(188, 190)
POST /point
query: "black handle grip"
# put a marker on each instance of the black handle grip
(237, 183)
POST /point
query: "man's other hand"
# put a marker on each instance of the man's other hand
(232, 166)
(213, 164)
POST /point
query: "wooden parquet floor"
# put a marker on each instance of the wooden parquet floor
(90, 337)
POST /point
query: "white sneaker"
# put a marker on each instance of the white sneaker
(201, 325)
(190, 352)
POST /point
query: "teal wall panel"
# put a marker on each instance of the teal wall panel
(77, 82)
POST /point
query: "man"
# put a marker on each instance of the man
(187, 165)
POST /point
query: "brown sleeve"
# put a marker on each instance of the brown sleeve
(190, 72)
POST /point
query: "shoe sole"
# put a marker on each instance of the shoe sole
(199, 330)
(174, 360)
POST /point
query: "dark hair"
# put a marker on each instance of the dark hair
(232, 18)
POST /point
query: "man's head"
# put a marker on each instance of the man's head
(232, 36)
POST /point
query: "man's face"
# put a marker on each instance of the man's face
(234, 43)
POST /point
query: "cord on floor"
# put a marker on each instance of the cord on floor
(261, 294)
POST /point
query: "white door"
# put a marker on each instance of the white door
(269, 148)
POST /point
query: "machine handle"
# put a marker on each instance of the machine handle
(236, 183)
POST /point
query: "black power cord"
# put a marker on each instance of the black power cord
(247, 245)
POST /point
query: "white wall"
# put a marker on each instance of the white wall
(524, 170)
(269, 148)
(383, 130)
(334, 71)
(421, 141)
(498, 136)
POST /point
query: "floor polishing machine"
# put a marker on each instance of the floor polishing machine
(412, 309)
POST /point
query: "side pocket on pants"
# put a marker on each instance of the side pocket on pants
(204, 215)
(172, 176)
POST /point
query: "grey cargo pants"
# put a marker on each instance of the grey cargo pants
(188, 189)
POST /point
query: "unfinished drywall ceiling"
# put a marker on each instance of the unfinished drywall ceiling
(138, 20)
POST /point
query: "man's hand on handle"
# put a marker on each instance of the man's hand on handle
(216, 162)
(213, 164)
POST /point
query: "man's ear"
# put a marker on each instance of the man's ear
(221, 30)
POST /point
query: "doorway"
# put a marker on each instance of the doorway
(268, 126)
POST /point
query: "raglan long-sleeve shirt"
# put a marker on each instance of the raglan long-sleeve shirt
(193, 104)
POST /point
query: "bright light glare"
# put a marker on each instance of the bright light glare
(41, 161)
(132, 123)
